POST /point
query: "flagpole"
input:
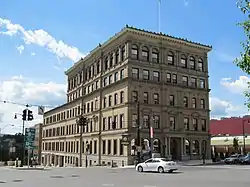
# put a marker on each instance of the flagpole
(159, 16)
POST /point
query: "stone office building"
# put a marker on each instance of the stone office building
(169, 78)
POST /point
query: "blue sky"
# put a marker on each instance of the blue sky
(82, 24)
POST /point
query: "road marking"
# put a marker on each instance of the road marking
(108, 185)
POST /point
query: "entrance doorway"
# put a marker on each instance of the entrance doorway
(175, 148)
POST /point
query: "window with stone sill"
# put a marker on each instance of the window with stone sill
(105, 81)
(171, 100)
(145, 74)
(109, 122)
(92, 87)
(110, 79)
(104, 147)
(172, 122)
(192, 63)
(193, 82)
(115, 147)
(111, 60)
(134, 96)
(117, 57)
(121, 97)
(123, 51)
(202, 103)
(155, 55)
(174, 78)
(98, 69)
(89, 73)
(185, 102)
(135, 73)
(195, 125)
(88, 107)
(156, 119)
(146, 121)
(156, 76)
(202, 83)
(145, 97)
(104, 102)
(203, 125)
(134, 120)
(168, 77)
(134, 51)
(104, 124)
(115, 98)
(121, 121)
(200, 65)
(193, 102)
(186, 123)
(145, 53)
(185, 80)
(110, 100)
(170, 58)
(92, 106)
(184, 61)
(116, 77)
(122, 74)
(156, 98)
(97, 84)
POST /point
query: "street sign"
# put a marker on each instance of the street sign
(30, 137)
(41, 110)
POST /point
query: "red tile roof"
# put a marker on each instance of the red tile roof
(231, 126)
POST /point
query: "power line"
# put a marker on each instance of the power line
(25, 105)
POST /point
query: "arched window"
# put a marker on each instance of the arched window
(196, 147)
(134, 51)
(187, 144)
(145, 53)
(200, 65)
(192, 62)
(155, 55)
(123, 55)
(170, 58)
(183, 61)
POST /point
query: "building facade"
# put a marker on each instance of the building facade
(37, 152)
(225, 130)
(168, 76)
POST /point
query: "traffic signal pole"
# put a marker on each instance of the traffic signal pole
(23, 159)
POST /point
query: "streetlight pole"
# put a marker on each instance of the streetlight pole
(138, 133)
(244, 134)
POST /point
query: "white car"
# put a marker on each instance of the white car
(160, 165)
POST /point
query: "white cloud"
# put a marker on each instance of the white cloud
(21, 90)
(237, 86)
(221, 108)
(33, 54)
(20, 48)
(41, 38)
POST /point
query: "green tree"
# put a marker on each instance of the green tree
(243, 62)
(236, 144)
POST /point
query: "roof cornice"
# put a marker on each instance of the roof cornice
(134, 30)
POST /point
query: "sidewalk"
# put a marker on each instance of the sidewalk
(29, 168)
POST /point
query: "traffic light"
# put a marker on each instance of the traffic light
(30, 115)
(24, 116)
(113, 125)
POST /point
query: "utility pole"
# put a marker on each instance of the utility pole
(82, 122)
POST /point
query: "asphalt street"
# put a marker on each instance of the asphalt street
(189, 176)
